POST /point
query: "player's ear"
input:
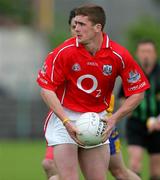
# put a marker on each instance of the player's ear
(98, 27)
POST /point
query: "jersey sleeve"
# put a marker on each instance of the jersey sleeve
(52, 73)
(133, 79)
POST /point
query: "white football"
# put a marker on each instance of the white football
(91, 128)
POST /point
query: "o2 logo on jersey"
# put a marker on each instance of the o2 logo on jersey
(94, 86)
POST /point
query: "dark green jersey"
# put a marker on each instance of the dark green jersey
(150, 106)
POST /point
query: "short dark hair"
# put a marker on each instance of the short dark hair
(71, 15)
(94, 12)
(146, 41)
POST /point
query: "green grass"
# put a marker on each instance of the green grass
(21, 160)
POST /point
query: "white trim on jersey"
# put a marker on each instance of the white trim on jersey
(107, 42)
(123, 64)
(77, 44)
(46, 121)
(64, 92)
(57, 56)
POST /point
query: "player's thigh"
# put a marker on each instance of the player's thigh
(66, 160)
(94, 162)
(155, 164)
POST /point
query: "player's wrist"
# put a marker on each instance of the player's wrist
(65, 121)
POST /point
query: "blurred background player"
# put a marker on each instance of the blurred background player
(116, 166)
(143, 125)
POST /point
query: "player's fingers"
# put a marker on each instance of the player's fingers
(77, 140)
(106, 134)
(80, 143)
(103, 119)
(104, 139)
(76, 131)
(104, 124)
(105, 131)
(73, 129)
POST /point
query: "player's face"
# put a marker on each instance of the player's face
(146, 54)
(72, 27)
(85, 30)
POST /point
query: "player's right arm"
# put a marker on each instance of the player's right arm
(50, 98)
(49, 78)
(52, 101)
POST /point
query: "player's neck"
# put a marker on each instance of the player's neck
(95, 44)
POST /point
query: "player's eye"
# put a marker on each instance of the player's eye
(73, 27)
(82, 24)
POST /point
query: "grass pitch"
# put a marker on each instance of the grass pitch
(21, 160)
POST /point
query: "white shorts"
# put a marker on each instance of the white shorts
(56, 133)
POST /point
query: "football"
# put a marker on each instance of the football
(91, 128)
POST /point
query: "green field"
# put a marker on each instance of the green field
(21, 160)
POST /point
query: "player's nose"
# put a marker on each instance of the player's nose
(77, 29)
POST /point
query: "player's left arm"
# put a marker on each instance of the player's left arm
(134, 84)
(127, 107)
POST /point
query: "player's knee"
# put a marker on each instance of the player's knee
(69, 173)
(49, 168)
(70, 176)
(47, 164)
(98, 176)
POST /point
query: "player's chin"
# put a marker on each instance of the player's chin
(81, 40)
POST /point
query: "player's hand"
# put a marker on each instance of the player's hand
(73, 131)
(151, 124)
(110, 124)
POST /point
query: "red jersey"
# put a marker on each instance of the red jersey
(84, 82)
